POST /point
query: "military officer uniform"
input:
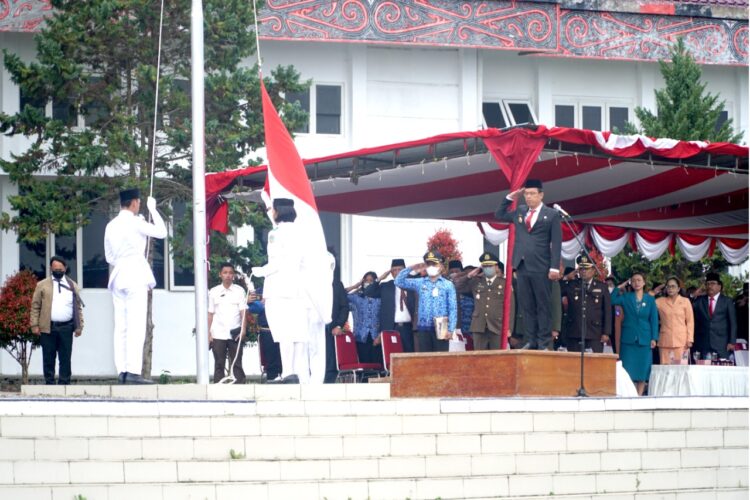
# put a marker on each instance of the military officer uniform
(488, 292)
(598, 326)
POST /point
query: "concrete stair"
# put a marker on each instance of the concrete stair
(354, 441)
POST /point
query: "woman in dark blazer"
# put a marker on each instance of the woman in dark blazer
(640, 329)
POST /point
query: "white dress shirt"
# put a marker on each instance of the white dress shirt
(401, 316)
(125, 246)
(62, 301)
(226, 304)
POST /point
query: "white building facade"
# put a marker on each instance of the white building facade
(388, 84)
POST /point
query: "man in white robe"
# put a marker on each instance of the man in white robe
(131, 278)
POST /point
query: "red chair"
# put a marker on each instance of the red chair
(347, 361)
(391, 342)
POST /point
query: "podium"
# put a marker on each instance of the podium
(485, 374)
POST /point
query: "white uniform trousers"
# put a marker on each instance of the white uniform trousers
(317, 350)
(130, 328)
(294, 360)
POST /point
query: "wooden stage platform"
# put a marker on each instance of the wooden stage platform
(500, 373)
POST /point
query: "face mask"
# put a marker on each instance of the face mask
(366, 284)
(489, 272)
(58, 275)
(610, 288)
(433, 271)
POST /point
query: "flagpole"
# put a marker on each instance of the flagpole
(200, 239)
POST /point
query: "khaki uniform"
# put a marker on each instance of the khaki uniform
(487, 319)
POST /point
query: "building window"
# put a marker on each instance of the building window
(565, 115)
(506, 112)
(618, 118)
(67, 248)
(723, 117)
(65, 112)
(34, 102)
(182, 276)
(95, 267)
(33, 257)
(94, 111)
(591, 115)
(323, 106)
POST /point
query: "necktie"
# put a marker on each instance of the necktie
(711, 306)
(528, 219)
(402, 300)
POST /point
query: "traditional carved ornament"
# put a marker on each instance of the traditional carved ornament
(536, 28)
(23, 15)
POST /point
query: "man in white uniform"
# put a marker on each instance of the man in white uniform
(130, 280)
(226, 303)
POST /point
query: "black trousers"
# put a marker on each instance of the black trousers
(58, 343)
(331, 371)
(225, 350)
(534, 298)
(595, 345)
(407, 336)
(368, 353)
(428, 342)
(271, 354)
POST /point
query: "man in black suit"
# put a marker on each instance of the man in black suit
(339, 316)
(536, 259)
(397, 307)
(715, 320)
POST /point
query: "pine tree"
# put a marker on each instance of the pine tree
(684, 109)
(98, 60)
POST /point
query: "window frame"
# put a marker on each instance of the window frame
(504, 105)
(312, 124)
(604, 104)
(170, 266)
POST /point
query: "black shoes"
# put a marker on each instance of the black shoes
(121, 378)
(289, 379)
(133, 379)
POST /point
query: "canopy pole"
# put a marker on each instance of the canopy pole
(200, 240)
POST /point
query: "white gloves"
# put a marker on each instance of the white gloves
(151, 204)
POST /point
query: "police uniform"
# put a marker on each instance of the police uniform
(598, 310)
(130, 280)
(489, 293)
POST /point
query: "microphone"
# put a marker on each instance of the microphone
(561, 210)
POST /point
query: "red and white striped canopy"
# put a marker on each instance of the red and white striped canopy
(654, 194)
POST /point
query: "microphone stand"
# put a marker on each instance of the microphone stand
(566, 218)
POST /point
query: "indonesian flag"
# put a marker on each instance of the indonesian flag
(287, 179)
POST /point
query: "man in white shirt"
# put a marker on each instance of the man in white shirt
(131, 278)
(397, 306)
(56, 316)
(226, 302)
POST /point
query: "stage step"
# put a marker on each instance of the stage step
(354, 441)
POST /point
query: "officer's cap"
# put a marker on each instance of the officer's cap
(584, 262)
(433, 256)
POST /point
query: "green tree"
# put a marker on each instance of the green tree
(96, 62)
(684, 109)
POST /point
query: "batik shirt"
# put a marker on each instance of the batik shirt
(366, 312)
(466, 303)
(436, 298)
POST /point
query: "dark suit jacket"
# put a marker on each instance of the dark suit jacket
(713, 333)
(539, 249)
(598, 310)
(388, 304)
(340, 312)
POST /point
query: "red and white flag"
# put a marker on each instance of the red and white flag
(287, 178)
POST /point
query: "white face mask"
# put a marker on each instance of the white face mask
(610, 288)
(433, 271)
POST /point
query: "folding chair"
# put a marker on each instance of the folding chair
(347, 361)
(391, 342)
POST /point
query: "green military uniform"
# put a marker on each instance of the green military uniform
(488, 292)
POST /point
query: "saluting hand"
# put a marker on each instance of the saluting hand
(516, 194)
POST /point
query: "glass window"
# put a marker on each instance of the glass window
(66, 247)
(565, 115)
(618, 118)
(521, 113)
(94, 111)
(95, 267)
(33, 256)
(723, 117)
(65, 112)
(27, 100)
(158, 263)
(328, 109)
(592, 117)
(493, 115)
(183, 276)
(303, 98)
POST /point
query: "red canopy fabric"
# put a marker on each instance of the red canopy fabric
(653, 190)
